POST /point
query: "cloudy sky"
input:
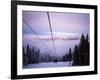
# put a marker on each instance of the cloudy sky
(60, 22)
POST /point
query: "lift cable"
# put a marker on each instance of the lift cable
(51, 32)
(36, 34)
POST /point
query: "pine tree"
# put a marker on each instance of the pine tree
(87, 51)
(82, 50)
(76, 56)
(70, 54)
(24, 57)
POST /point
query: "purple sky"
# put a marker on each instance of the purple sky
(60, 22)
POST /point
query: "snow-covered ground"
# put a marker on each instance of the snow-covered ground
(50, 64)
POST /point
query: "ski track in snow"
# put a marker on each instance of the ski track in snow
(49, 64)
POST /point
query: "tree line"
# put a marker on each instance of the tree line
(32, 55)
(79, 56)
